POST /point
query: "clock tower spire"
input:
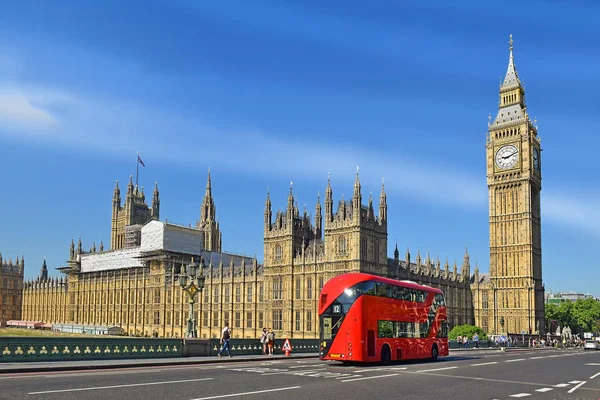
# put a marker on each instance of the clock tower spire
(514, 182)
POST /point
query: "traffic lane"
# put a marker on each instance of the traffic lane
(569, 373)
(222, 383)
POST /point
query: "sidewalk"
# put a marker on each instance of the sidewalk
(52, 366)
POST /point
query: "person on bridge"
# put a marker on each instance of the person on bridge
(270, 341)
(263, 340)
(225, 336)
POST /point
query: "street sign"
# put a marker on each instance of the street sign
(286, 345)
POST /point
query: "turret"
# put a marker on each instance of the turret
(318, 218)
(418, 269)
(454, 271)
(408, 258)
(396, 253)
(466, 266)
(382, 205)
(44, 271)
(155, 203)
(290, 206)
(328, 201)
(268, 212)
(117, 196)
(356, 199)
(438, 265)
(79, 247)
(72, 250)
(101, 246)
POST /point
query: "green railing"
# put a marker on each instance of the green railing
(14, 349)
(254, 347)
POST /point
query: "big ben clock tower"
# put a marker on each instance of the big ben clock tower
(514, 179)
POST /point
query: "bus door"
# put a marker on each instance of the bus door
(330, 327)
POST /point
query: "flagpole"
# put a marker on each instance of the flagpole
(137, 170)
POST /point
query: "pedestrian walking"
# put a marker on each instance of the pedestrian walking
(263, 341)
(225, 336)
(466, 342)
(476, 340)
(270, 341)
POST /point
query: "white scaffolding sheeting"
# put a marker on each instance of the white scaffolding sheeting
(117, 259)
(156, 235)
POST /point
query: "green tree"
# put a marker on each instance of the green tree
(468, 331)
(581, 316)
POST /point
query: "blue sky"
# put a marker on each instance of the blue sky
(268, 92)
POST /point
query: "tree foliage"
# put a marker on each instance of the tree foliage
(468, 331)
(581, 316)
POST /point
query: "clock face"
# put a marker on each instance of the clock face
(507, 157)
(536, 159)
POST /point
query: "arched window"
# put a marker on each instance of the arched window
(278, 252)
(342, 244)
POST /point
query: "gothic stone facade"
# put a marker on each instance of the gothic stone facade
(11, 289)
(282, 293)
(512, 292)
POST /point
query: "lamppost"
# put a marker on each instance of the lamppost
(194, 274)
(502, 323)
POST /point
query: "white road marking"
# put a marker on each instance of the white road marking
(556, 355)
(120, 386)
(367, 370)
(516, 359)
(487, 363)
(574, 382)
(247, 393)
(592, 377)
(535, 358)
(368, 377)
(436, 369)
(562, 385)
(306, 366)
(592, 364)
(520, 395)
(543, 390)
(576, 387)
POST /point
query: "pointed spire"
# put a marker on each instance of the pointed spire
(72, 250)
(101, 246)
(79, 247)
(466, 259)
(130, 185)
(117, 194)
(511, 79)
(407, 257)
(208, 185)
(357, 185)
(396, 252)
(382, 204)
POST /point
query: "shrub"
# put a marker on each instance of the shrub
(468, 331)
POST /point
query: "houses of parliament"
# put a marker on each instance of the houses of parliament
(133, 284)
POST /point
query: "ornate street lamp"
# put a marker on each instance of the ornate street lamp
(502, 323)
(196, 284)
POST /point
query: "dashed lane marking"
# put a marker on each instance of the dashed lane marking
(562, 385)
(593, 376)
(576, 387)
(306, 366)
(120, 386)
(574, 382)
(516, 359)
(247, 393)
(487, 363)
(592, 364)
(436, 369)
(543, 390)
(368, 377)
(536, 358)
(520, 395)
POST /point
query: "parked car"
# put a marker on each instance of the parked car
(591, 345)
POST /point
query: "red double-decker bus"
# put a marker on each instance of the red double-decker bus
(367, 318)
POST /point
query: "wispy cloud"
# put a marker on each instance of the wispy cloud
(19, 111)
(173, 139)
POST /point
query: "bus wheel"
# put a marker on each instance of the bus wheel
(386, 354)
(434, 352)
